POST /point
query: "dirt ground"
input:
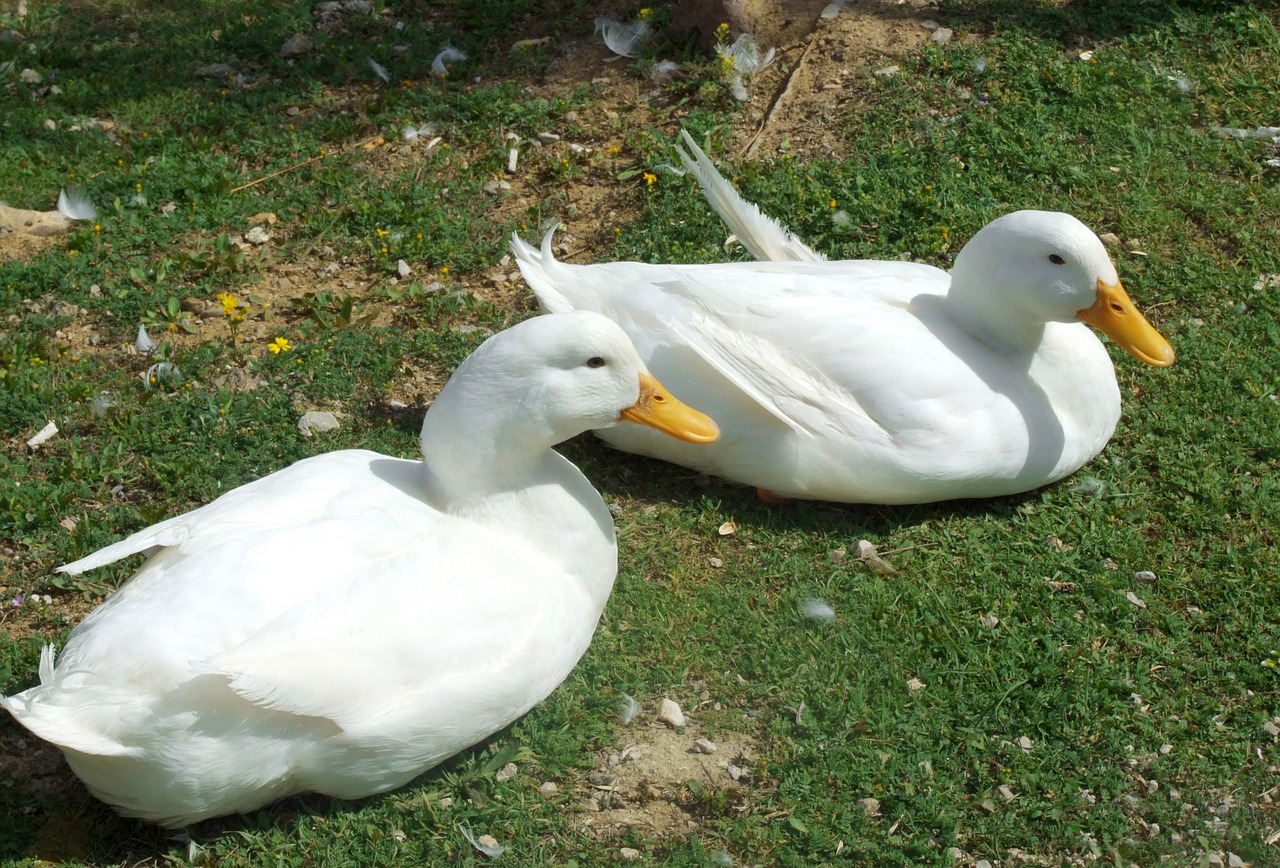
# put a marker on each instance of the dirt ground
(825, 67)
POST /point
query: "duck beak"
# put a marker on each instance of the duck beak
(659, 409)
(1115, 315)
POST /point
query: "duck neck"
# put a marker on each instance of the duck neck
(975, 303)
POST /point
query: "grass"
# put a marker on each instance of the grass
(1135, 717)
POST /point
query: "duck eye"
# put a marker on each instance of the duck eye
(1056, 259)
(595, 362)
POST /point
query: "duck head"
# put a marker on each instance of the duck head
(1045, 266)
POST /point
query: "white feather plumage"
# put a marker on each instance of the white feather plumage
(75, 205)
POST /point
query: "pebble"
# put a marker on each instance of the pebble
(317, 420)
(1024, 743)
(870, 806)
(629, 853)
(549, 788)
(915, 685)
(403, 269)
(670, 714)
(864, 549)
(735, 772)
(257, 236)
(704, 745)
(601, 779)
(30, 76)
(1109, 239)
(507, 772)
(837, 556)
(216, 70)
(1145, 576)
(886, 71)
(295, 46)
(1135, 599)
(941, 36)
(497, 187)
(715, 562)
(1270, 729)
(1005, 792)
(930, 24)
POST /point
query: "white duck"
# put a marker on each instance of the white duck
(875, 382)
(344, 624)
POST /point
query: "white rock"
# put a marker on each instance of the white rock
(507, 772)
(704, 745)
(547, 138)
(30, 76)
(915, 685)
(864, 549)
(1024, 743)
(44, 434)
(317, 420)
(295, 46)
(1145, 576)
(1109, 239)
(930, 24)
(403, 269)
(257, 236)
(1135, 599)
(670, 714)
(1005, 793)
(941, 36)
(1234, 861)
(870, 806)
(549, 788)
(886, 71)
(1270, 729)
(629, 854)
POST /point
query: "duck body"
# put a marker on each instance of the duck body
(865, 381)
(343, 624)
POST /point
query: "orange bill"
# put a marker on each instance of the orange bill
(659, 409)
(1115, 315)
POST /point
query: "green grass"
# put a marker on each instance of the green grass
(1186, 489)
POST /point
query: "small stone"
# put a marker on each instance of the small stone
(629, 853)
(930, 24)
(1109, 564)
(69, 523)
(295, 46)
(317, 420)
(549, 788)
(263, 218)
(915, 685)
(704, 745)
(497, 186)
(982, 863)
(257, 236)
(1152, 787)
(989, 621)
(507, 772)
(941, 36)
(1145, 576)
(870, 806)
(601, 779)
(402, 268)
(446, 802)
(886, 71)
(735, 772)
(547, 138)
(670, 714)
(1271, 729)
(1005, 793)
(1234, 861)
(95, 291)
(837, 556)
(30, 76)
(1024, 743)
(216, 70)
(955, 854)
(1135, 599)
(864, 549)
(50, 124)
(715, 562)
(1165, 749)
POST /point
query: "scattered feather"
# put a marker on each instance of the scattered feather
(160, 372)
(412, 134)
(378, 70)
(101, 404)
(817, 609)
(622, 39)
(493, 851)
(663, 70)
(980, 65)
(525, 44)
(745, 56)
(738, 88)
(144, 343)
(630, 709)
(1090, 486)
(75, 205)
(671, 170)
(842, 219)
(1272, 133)
(833, 9)
(1182, 83)
(448, 55)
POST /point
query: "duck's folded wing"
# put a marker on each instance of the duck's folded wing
(360, 651)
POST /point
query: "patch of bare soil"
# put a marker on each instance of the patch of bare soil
(662, 782)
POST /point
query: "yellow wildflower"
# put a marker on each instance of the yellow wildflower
(650, 178)
(280, 345)
(228, 302)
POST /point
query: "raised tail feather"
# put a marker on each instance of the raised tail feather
(765, 238)
(539, 268)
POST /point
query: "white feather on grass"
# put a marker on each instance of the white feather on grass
(744, 60)
(817, 609)
(523, 44)
(628, 709)
(448, 55)
(378, 69)
(622, 39)
(144, 343)
(412, 134)
(75, 205)
(492, 852)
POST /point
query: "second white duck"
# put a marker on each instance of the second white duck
(344, 624)
(875, 382)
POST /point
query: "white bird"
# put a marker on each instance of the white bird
(875, 382)
(346, 623)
